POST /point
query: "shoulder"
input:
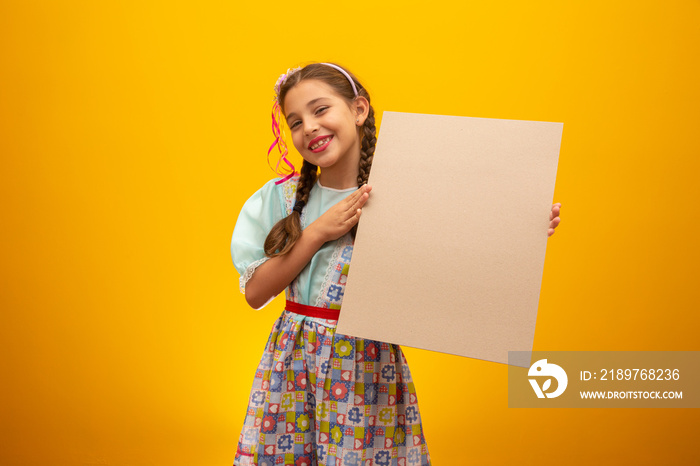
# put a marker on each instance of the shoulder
(277, 187)
(276, 191)
(288, 188)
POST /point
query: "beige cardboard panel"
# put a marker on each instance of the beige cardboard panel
(450, 250)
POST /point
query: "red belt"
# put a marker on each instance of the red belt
(312, 311)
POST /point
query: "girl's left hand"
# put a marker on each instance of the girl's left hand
(554, 218)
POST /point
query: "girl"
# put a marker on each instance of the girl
(320, 398)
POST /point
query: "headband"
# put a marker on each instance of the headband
(277, 129)
(352, 83)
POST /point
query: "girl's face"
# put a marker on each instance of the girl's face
(324, 126)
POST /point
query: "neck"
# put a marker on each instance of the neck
(338, 180)
(343, 174)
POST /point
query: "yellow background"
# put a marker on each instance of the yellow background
(132, 132)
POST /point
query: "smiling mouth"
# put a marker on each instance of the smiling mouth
(319, 143)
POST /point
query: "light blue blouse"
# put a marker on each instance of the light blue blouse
(321, 282)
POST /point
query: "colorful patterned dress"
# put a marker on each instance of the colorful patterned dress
(321, 398)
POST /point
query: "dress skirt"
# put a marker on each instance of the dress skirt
(321, 398)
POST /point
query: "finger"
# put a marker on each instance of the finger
(555, 211)
(550, 232)
(360, 201)
(348, 212)
(352, 199)
(353, 219)
(355, 201)
(555, 221)
(346, 208)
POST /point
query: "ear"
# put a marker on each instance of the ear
(361, 107)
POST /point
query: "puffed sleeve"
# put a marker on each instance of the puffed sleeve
(258, 215)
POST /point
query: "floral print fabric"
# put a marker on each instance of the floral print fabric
(321, 398)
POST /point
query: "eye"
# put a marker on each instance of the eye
(294, 124)
(321, 110)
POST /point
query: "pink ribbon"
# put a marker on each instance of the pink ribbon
(281, 147)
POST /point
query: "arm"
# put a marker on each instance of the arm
(272, 277)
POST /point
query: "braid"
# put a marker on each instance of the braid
(369, 141)
(306, 181)
(287, 231)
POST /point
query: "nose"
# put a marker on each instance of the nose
(310, 126)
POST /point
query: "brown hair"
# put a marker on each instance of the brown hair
(287, 231)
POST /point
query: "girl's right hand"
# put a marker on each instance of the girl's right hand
(340, 218)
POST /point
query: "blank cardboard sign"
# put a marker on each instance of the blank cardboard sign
(450, 249)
